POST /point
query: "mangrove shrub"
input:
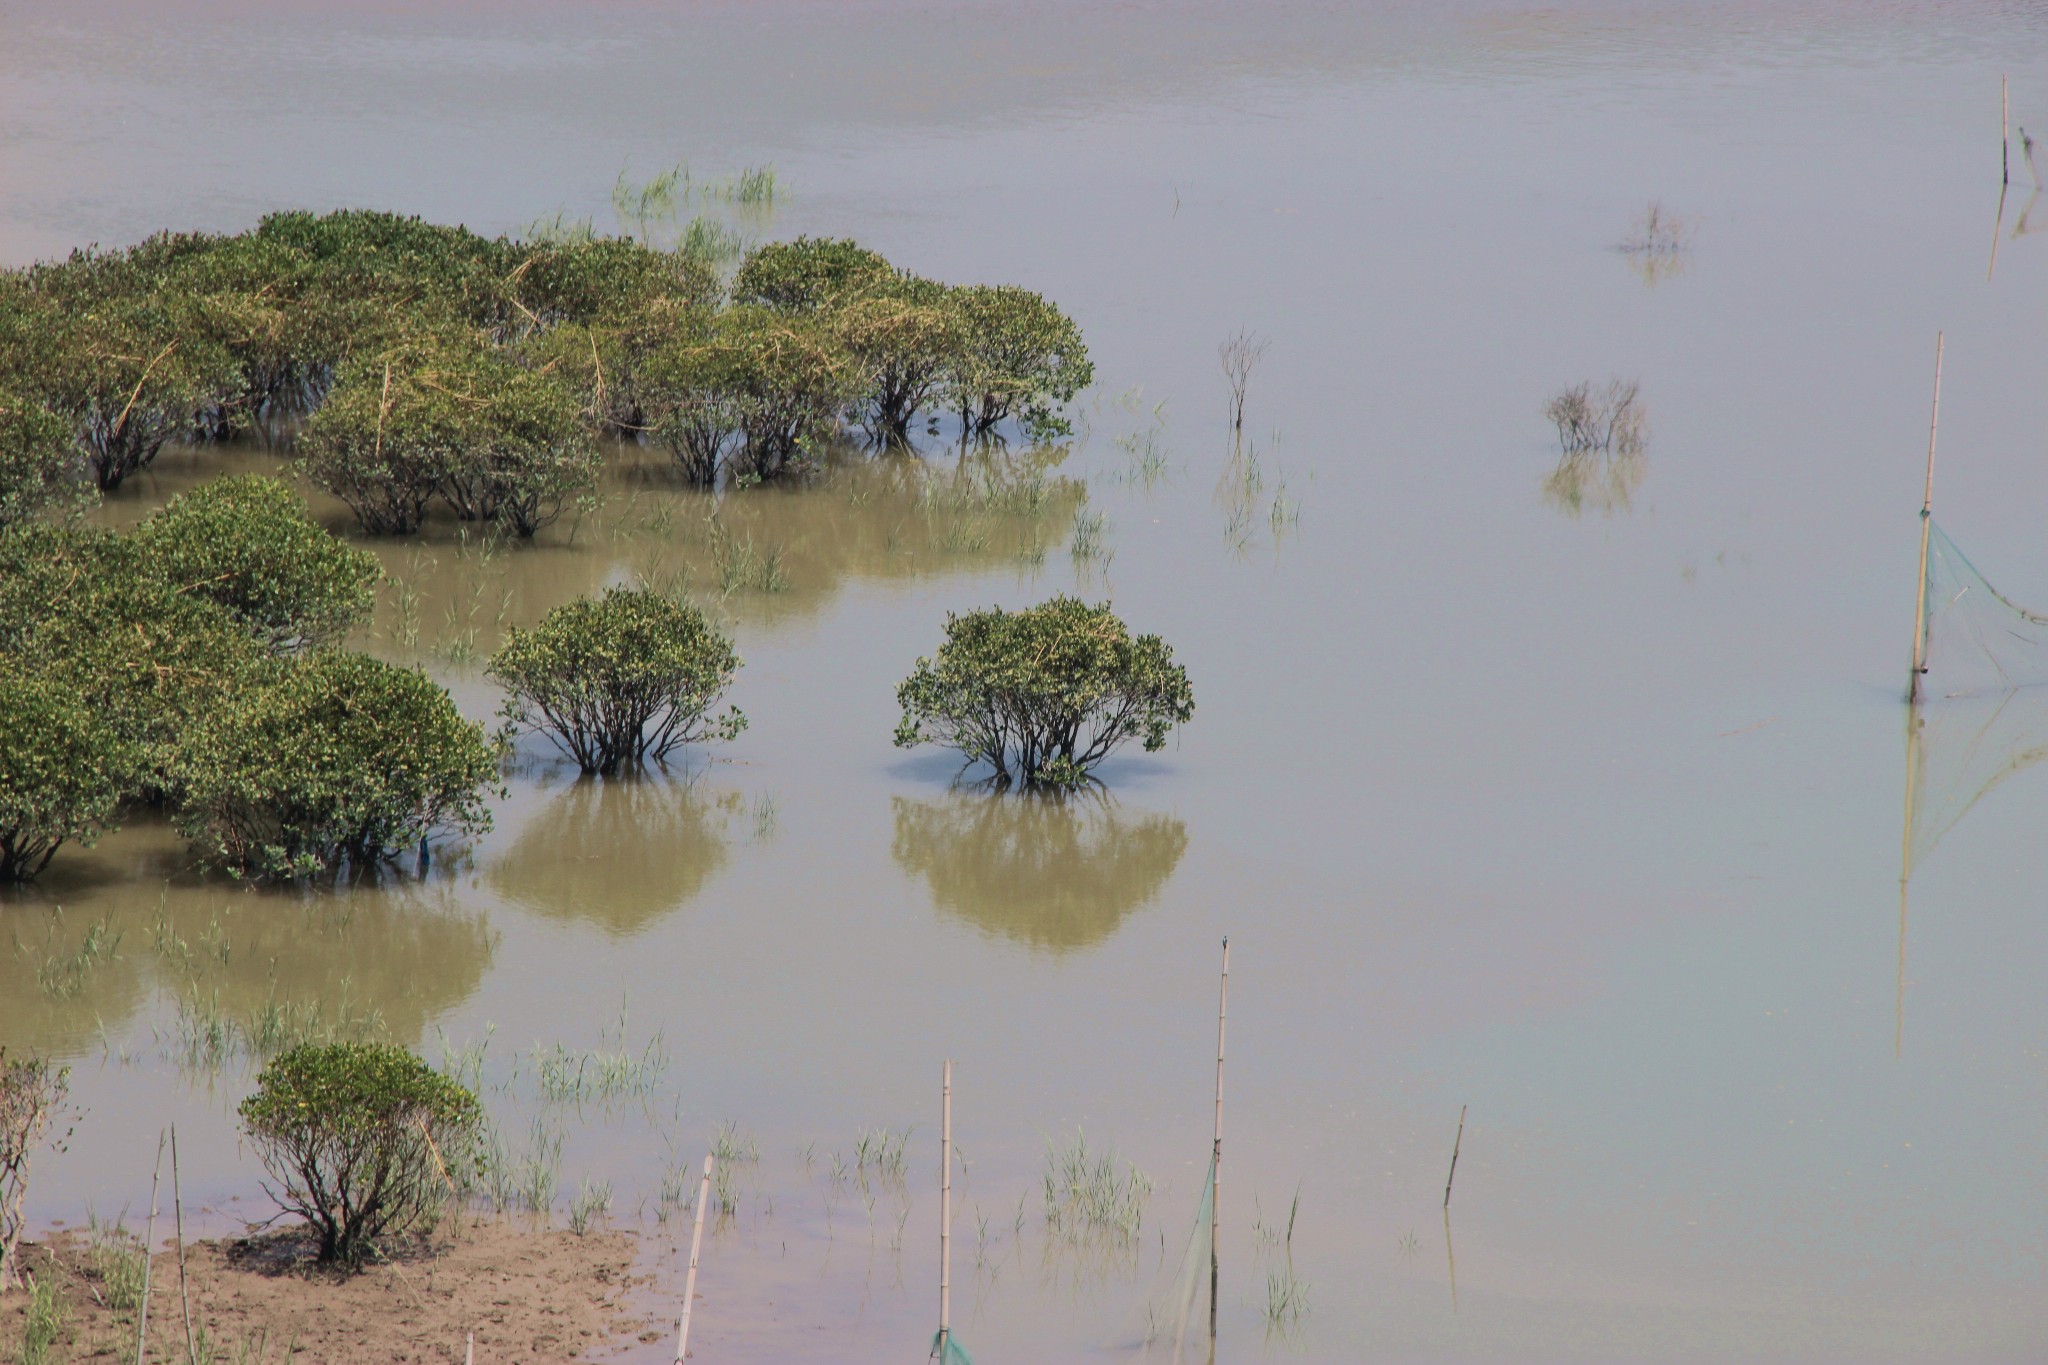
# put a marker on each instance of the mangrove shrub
(40, 468)
(446, 418)
(618, 680)
(748, 394)
(905, 340)
(330, 760)
(62, 769)
(1020, 357)
(91, 608)
(360, 1139)
(808, 274)
(1043, 694)
(247, 543)
(125, 364)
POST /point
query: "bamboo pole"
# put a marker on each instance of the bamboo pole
(1456, 1143)
(1926, 523)
(178, 1212)
(156, 1176)
(945, 1213)
(469, 1350)
(1997, 230)
(690, 1280)
(1905, 876)
(2004, 133)
(1451, 1259)
(1216, 1153)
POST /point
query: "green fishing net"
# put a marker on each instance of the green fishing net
(947, 1350)
(1170, 1325)
(1984, 713)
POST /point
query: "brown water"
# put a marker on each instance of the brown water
(1573, 795)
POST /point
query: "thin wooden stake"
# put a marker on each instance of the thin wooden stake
(469, 1351)
(1451, 1259)
(690, 1280)
(178, 1212)
(1216, 1153)
(2004, 134)
(1926, 523)
(1456, 1143)
(945, 1213)
(1997, 230)
(149, 1254)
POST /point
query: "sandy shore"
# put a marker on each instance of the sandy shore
(526, 1294)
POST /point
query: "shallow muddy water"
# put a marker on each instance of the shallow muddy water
(1573, 796)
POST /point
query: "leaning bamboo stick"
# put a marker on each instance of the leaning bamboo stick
(148, 1255)
(1456, 1143)
(1216, 1153)
(946, 1211)
(690, 1280)
(1926, 524)
(178, 1212)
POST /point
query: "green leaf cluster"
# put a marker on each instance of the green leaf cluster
(618, 681)
(40, 469)
(247, 543)
(134, 666)
(1044, 694)
(92, 612)
(497, 441)
(476, 369)
(62, 770)
(747, 392)
(362, 1140)
(330, 761)
(991, 354)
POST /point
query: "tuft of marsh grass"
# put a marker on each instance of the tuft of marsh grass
(751, 185)
(43, 1323)
(1286, 1293)
(568, 1076)
(118, 1259)
(725, 1193)
(62, 973)
(464, 1063)
(1286, 1297)
(204, 1037)
(743, 568)
(767, 812)
(729, 1145)
(651, 203)
(534, 1177)
(710, 242)
(559, 229)
(1086, 1196)
(1145, 459)
(1089, 540)
(589, 1207)
(882, 1151)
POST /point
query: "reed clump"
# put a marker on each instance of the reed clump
(1093, 1194)
(1657, 243)
(1608, 421)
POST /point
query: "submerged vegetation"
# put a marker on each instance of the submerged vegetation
(432, 364)
(1044, 694)
(189, 665)
(619, 680)
(1657, 244)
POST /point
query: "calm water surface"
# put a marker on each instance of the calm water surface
(1580, 807)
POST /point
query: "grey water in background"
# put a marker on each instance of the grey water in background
(1581, 809)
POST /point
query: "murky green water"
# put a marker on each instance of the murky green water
(1574, 797)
